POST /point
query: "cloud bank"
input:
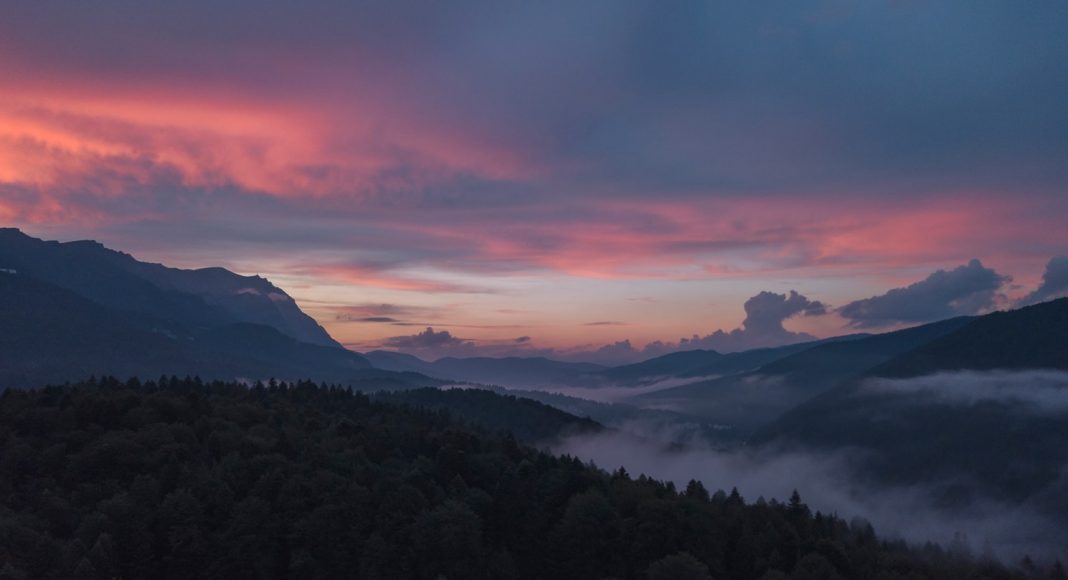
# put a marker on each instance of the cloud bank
(1054, 282)
(429, 339)
(762, 327)
(965, 290)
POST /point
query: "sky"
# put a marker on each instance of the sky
(602, 180)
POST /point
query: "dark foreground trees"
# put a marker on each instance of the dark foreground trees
(181, 479)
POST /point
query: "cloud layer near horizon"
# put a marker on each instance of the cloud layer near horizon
(762, 327)
(966, 290)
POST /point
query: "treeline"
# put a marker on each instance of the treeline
(179, 478)
(529, 420)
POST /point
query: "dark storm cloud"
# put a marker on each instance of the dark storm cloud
(965, 290)
(1054, 282)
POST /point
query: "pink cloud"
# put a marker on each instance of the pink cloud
(110, 139)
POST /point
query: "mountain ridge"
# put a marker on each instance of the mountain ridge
(1012, 446)
(116, 279)
(70, 312)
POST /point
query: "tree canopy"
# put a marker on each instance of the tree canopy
(179, 478)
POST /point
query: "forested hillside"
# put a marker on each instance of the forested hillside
(528, 420)
(183, 479)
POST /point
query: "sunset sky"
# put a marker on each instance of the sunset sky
(556, 177)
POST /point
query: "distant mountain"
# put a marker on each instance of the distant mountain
(747, 360)
(519, 372)
(669, 365)
(749, 400)
(199, 298)
(1034, 337)
(835, 361)
(916, 423)
(54, 333)
(398, 361)
(696, 364)
(268, 348)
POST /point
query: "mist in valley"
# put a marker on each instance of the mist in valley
(828, 482)
(1038, 391)
(958, 513)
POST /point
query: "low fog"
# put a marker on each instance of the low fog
(618, 393)
(830, 482)
(1042, 391)
(826, 483)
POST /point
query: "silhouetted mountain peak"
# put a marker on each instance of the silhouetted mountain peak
(200, 298)
(54, 334)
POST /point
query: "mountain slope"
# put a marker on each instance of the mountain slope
(748, 360)
(695, 364)
(942, 411)
(52, 335)
(750, 400)
(1034, 337)
(529, 420)
(199, 298)
(669, 365)
(833, 362)
(398, 361)
(520, 372)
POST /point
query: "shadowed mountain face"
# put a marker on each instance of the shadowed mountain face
(199, 298)
(781, 378)
(1035, 337)
(52, 335)
(986, 403)
(675, 364)
(75, 310)
(696, 364)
